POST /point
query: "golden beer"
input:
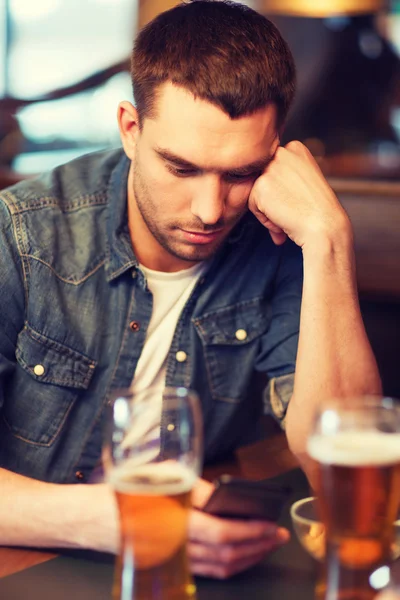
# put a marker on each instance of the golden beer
(154, 502)
(358, 488)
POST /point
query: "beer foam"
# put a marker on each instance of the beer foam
(160, 479)
(355, 448)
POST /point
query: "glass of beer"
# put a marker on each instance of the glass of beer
(356, 446)
(152, 460)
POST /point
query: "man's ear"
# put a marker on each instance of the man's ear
(128, 123)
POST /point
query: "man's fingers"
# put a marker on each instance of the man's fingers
(201, 492)
(278, 238)
(221, 571)
(277, 234)
(222, 547)
(232, 553)
(224, 561)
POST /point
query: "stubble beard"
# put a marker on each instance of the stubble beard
(144, 204)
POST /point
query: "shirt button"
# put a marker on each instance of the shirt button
(171, 427)
(79, 476)
(241, 335)
(38, 370)
(134, 325)
(181, 356)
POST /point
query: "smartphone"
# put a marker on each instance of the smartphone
(238, 498)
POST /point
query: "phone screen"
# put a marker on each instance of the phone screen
(245, 499)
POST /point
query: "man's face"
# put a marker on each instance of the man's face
(192, 171)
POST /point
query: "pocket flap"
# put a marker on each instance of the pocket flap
(235, 325)
(51, 362)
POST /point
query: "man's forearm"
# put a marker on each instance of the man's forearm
(47, 515)
(334, 356)
(35, 513)
(38, 514)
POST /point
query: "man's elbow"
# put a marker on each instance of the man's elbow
(297, 430)
(301, 412)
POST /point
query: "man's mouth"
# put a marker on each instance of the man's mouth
(201, 237)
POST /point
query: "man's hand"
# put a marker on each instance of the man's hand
(292, 198)
(220, 547)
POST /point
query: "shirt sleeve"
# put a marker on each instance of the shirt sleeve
(277, 396)
(278, 349)
(12, 297)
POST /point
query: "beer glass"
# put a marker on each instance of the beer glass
(152, 459)
(356, 446)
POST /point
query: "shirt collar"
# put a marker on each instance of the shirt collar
(119, 253)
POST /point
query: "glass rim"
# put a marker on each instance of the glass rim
(307, 521)
(296, 505)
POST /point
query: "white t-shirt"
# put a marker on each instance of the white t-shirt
(170, 292)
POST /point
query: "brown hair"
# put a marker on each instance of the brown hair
(220, 51)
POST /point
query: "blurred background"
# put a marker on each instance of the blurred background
(64, 67)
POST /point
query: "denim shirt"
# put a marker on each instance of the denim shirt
(74, 310)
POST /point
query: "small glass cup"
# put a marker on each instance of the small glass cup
(152, 459)
(311, 532)
(308, 528)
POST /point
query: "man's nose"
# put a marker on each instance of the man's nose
(208, 201)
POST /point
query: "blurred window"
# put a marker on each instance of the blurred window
(3, 46)
(55, 43)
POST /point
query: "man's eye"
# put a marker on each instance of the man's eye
(181, 172)
(239, 177)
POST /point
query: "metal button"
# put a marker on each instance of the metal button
(171, 427)
(38, 370)
(134, 325)
(241, 335)
(79, 476)
(181, 356)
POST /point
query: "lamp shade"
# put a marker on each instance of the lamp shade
(149, 9)
(320, 8)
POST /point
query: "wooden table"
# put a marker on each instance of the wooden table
(266, 458)
(288, 573)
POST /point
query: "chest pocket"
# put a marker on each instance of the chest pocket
(44, 387)
(231, 340)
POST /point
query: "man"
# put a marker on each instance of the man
(169, 264)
